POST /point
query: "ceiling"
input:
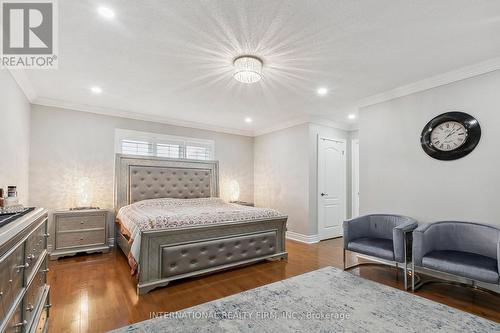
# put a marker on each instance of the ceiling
(173, 59)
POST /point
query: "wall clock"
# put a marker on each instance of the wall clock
(450, 136)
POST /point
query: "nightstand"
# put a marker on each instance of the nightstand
(243, 203)
(79, 231)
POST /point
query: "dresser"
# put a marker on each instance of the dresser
(24, 291)
(79, 231)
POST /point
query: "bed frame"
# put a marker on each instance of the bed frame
(167, 255)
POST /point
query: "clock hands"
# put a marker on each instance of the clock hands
(452, 132)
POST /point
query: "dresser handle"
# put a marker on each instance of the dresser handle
(82, 222)
(30, 307)
(46, 235)
(45, 270)
(48, 306)
(21, 324)
(30, 257)
(19, 267)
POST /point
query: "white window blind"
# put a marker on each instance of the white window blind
(152, 144)
(169, 150)
(134, 147)
(197, 152)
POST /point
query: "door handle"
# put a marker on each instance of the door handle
(323, 194)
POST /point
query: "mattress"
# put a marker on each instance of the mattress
(171, 214)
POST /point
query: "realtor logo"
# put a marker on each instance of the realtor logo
(29, 34)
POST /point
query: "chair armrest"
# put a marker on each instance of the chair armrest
(399, 238)
(356, 228)
(422, 243)
(498, 256)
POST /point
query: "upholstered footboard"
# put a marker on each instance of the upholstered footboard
(169, 255)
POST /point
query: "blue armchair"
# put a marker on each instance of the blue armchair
(382, 236)
(465, 249)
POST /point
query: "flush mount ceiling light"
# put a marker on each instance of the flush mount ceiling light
(248, 120)
(351, 116)
(247, 69)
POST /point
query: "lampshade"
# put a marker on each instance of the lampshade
(247, 69)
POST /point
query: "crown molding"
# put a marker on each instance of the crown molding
(463, 73)
(19, 75)
(306, 120)
(334, 124)
(481, 68)
(138, 116)
(282, 126)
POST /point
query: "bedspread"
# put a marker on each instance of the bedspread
(167, 213)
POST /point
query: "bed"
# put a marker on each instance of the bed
(172, 225)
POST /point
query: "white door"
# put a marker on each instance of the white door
(355, 178)
(331, 187)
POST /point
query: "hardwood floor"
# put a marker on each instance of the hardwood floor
(95, 293)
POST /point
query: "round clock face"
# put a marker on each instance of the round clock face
(448, 136)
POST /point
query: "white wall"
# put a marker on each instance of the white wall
(282, 174)
(396, 176)
(14, 136)
(67, 145)
(286, 173)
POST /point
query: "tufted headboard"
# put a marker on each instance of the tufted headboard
(140, 178)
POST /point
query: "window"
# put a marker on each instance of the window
(134, 147)
(152, 144)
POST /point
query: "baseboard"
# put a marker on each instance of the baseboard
(308, 239)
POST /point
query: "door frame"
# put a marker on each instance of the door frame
(354, 179)
(344, 141)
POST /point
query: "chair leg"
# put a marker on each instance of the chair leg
(412, 276)
(406, 275)
(343, 260)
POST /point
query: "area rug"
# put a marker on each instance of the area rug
(326, 300)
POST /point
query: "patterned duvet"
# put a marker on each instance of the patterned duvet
(169, 213)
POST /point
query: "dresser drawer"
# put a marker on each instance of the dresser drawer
(69, 223)
(35, 245)
(34, 293)
(16, 324)
(77, 239)
(11, 279)
(43, 322)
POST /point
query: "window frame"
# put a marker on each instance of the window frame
(155, 139)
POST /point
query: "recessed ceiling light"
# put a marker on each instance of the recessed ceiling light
(351, 116)
(106, 12)
(322, 91)
(96, 90)
(248, 120)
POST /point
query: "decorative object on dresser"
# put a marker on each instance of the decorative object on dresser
(79, 231)
(24, 292)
